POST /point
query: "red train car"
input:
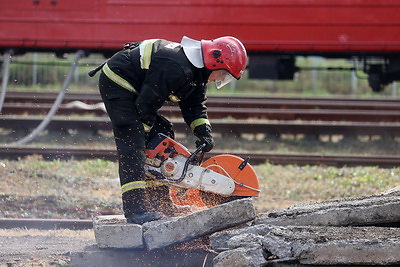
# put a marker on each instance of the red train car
(273, 31)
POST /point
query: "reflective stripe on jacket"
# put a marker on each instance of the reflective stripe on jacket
(118, 79)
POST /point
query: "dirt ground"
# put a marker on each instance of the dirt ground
(27, 247)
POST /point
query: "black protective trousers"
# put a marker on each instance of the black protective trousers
(129, 139)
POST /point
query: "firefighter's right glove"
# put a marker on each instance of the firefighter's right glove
(204, 133)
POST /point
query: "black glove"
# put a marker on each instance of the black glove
(204, 133)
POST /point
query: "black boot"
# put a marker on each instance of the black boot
(134, 207)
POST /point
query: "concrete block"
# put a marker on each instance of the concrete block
(368, 210)
(161, 234)
(112, 231)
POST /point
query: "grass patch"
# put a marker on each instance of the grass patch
(291, 184)
(32, 187)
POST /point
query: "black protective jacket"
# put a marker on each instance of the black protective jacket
(169, 76)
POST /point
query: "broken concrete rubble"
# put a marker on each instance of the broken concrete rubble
(310, 233)
(313, 233)
(310, 245)
(368, 210)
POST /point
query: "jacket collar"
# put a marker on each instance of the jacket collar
(192, 49)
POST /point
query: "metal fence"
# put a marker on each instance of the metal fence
(46, 70)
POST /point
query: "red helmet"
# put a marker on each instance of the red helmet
(226, 53)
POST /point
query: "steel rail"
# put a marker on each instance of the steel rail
(231, 112)
(384, 161)
(234, 101)
(224, 127)
(45, 224)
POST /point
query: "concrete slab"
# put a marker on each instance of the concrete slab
(314, 245)
(112, 231)
(368, 210)
(161, 234)
(95, 257)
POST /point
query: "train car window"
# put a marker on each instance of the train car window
(49, 4)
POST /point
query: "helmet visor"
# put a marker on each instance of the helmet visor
(221, 78)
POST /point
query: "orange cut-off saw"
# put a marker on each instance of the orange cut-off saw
(217, 180)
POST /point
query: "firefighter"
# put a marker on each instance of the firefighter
(136, 81)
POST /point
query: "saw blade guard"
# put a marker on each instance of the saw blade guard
(238, 169)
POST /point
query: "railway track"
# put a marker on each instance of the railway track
(227, 112)
(319, 116)
(255, 157)
(356, 116)
(356, 110)
(45, 224)
(233, 101)
(271, 128)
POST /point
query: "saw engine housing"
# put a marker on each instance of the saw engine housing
(170, 162)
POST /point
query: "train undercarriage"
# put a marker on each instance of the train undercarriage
(381, 70)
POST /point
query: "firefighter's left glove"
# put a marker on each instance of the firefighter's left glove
(204, 133)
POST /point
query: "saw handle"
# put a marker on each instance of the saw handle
(189, 160)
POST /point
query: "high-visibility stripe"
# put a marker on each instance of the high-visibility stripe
(198, 122)
(117, 79)
(133, 185)
(147, 128)
(174, 98)
(146, 49)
